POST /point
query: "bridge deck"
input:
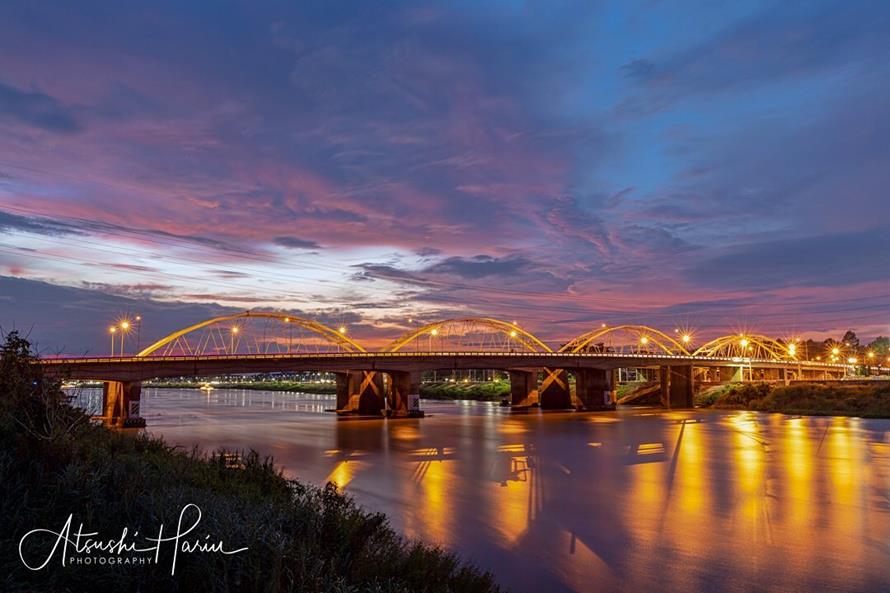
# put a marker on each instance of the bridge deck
(140, 368)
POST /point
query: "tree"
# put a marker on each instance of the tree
(30, 400)
(880, 346)
(850, 339)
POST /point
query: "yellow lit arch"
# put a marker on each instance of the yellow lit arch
(329, 334)
(510, 330)
(746, 346)
(644, 336)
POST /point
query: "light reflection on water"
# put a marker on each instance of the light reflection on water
(638, 501)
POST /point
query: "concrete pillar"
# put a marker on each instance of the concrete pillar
(404, 394)
(677, 386)
(596, 388)
(784, 376)
(554, 393)
(121, 404)
(664, 376)
(360, 392)
(523, 389)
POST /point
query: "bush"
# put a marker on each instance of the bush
(53, 462)
(809, 398)
(481, 390)
(740, 396)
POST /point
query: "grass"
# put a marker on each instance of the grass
(815, 399)
(53, 462)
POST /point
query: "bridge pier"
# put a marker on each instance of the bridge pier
(785, 376)
(523, 388)
(595, 388)
(360, 392)
(120, 404)
(677, 386)
(554, 393)
(404, 394)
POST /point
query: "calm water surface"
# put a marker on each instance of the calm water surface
(637, 501)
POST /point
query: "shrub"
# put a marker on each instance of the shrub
(301, 538)
(809, 398)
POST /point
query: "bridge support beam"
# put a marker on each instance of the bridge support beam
(360, 392)
(554, 392)
(677, 386)
(785, 376)
(404, 394)
(523, 388)
(595, 388)
(120, 404)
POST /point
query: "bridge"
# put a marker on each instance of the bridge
(581, 374)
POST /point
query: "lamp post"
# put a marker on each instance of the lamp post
(232, 339)
(111, 331)
(125, 327)
(290, 333)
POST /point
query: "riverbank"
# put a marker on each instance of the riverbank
(812, 399)
(289, 386)
(477, 390)
(56, 464)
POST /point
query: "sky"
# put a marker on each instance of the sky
(715, 165)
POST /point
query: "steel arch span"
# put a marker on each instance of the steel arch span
(746, 346)
(470, 334)
(253, 333)
(629, 339)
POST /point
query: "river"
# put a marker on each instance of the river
(642, 501)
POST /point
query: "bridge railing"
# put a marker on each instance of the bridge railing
(452, 354)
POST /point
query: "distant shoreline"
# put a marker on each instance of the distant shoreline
(479, 390)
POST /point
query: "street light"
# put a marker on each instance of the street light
(234, 332)
(111, 331)
(792, 349)
(125, 327)
(686, 338)
(342, 329)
